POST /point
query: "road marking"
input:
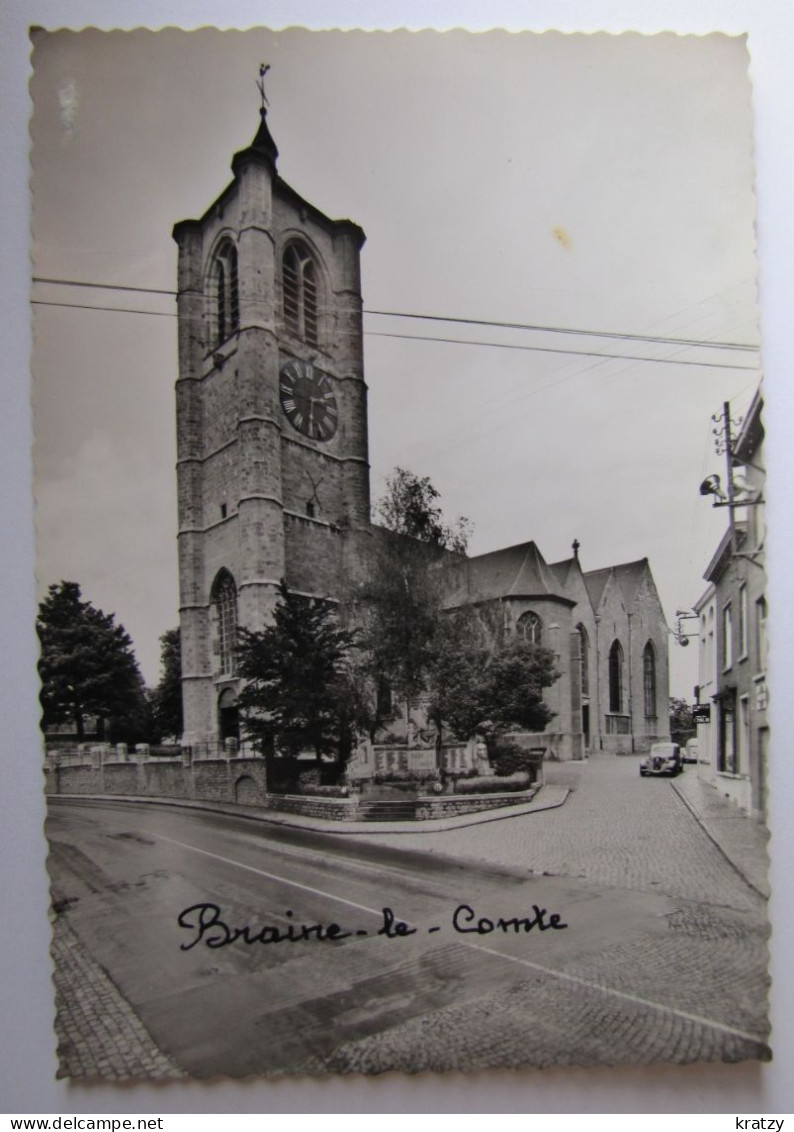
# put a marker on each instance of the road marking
(637, 1000)
(272, 876)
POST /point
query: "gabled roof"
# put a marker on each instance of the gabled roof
(516, 571)
(562, 570)
(628, 576)
(723, 555)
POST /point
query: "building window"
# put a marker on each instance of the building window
(616, 677)
(726, 755)
(760, 633)
(224, 610)
(727, 637)
(649, 680)
(584, 672)
(228, 715)
(742, 626)
(227, 296)
(299, 290)
(530, 627)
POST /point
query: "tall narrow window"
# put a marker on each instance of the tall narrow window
(530, 627)
(742, 626)
(760, 633)
(584, 672)
(224, 608)
(649, 680)
(227, 293)
(727, 637)
(616, 677)
(299, 290)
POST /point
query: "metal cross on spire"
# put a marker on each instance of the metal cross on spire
(263, 70)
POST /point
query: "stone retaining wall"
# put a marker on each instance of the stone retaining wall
(234, 779)
(111, 772)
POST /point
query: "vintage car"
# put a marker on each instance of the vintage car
(662, 759)
(690, 751)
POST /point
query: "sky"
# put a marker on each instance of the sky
(583, 182)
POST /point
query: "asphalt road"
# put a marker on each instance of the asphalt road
(611, 986)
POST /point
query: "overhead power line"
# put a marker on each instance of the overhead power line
(571, 330)
(428, 338)
(533, 327)
(552, 350)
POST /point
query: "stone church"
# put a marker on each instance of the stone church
(273, 475)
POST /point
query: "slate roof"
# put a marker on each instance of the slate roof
(628, 576)
(516, 571)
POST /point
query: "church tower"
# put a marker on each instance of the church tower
(272, 460)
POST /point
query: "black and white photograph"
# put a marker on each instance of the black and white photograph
(400, 496)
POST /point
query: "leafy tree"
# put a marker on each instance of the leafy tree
(410, 508)
(399, 607)
(513, 683)
(166, 698)
(480, 682)
(398, 610)
(298, 691)
(88, 667)
(682, 725)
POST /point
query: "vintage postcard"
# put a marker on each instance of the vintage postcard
(400, 496)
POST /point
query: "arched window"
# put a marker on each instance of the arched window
(530, 627)
(649, 680)
(616, 677)
(224, 610)
(584, 672)
(228, 715)
(299, 290)
(226, 292)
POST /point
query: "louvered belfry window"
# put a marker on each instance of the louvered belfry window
(299, 288)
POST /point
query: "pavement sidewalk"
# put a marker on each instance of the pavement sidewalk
(742, 841)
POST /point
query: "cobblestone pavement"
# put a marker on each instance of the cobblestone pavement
(615, 829)
(99, 1035)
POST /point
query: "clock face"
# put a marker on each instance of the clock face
(308, 401)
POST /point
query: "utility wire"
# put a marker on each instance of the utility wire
(540, 328)
(552, 350)
(570, 330)
(427, 338)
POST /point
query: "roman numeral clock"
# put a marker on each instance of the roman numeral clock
(308, 400)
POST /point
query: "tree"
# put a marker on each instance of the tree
(399, 607)
(682, 724)
(409, 508)
(480, 682)
(88, 667)
(298, 692)
(167, 696)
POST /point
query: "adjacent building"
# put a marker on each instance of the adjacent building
(733, 734)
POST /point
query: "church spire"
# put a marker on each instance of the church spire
(262, 148)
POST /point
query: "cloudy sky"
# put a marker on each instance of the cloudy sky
(580, 182)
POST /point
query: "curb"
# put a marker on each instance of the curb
(431, 825)
(715, 841)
